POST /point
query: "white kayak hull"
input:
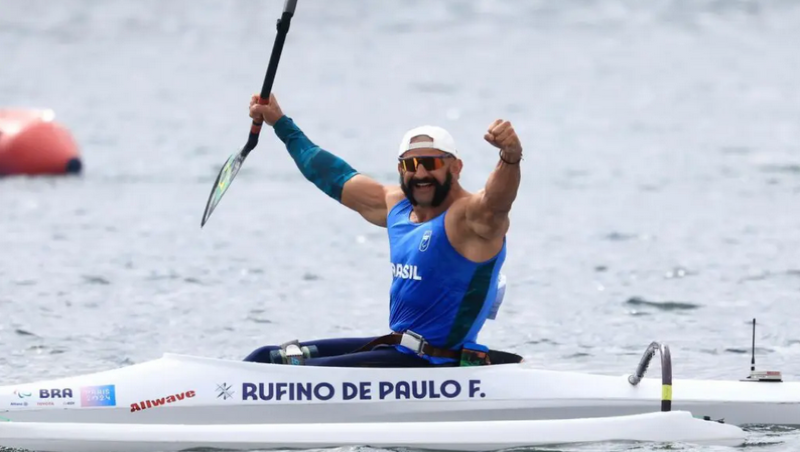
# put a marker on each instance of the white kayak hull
(668, 427)
(179, 389)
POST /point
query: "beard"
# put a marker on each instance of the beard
(440, 191)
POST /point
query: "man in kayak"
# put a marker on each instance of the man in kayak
(447, 245)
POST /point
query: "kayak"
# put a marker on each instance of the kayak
(207, 402)
(673, 426)
(182, 389)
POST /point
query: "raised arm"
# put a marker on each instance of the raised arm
(487, 210)
(332, 175)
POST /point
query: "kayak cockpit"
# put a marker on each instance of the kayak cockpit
(395, 350)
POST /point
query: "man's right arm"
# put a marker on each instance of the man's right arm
(335, 177)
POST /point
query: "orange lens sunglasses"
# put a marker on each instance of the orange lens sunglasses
(430, 163)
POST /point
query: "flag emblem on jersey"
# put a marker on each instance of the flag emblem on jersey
(426, 240)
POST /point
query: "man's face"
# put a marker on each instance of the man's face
(426, 176)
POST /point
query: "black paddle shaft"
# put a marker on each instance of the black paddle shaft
(272, 69)
(231, 167)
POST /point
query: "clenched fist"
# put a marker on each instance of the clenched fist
(501, 135)
(268, 112)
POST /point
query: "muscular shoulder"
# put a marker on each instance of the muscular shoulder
(394, 194)
(463, 236)
(458, 210)
(367, 197)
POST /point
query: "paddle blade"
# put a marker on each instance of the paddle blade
(224, 179)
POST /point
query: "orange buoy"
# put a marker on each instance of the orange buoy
(31, 143)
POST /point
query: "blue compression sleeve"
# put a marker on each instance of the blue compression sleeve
(327, 171)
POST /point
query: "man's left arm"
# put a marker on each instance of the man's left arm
(487, 211)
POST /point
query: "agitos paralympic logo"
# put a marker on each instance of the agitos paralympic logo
(153, 403)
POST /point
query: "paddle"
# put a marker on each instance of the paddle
(234, 162)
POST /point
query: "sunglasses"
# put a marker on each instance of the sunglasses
(430, 163)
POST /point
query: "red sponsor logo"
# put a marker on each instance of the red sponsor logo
(153, 403)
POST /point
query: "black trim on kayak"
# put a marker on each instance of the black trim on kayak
(501, 357)
(666, 372)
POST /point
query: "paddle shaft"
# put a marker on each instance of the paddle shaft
(272, 69)
(231, 167)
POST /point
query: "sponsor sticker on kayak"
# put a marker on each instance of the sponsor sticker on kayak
(90, 396)
(105, 395)
(363, 390)
(225, 391)
(20, 397)
(43, 397)
(162, 401)
(55, 396)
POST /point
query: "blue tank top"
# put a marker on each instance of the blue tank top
(436, 292)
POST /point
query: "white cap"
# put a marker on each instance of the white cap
(440, 139)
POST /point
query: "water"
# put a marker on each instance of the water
(659, 201)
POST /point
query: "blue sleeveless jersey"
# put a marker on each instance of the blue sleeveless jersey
(436, 292)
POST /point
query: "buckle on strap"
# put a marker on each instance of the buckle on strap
(294, 355)
(413, 341)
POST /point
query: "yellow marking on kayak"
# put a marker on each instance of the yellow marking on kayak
(666, 392)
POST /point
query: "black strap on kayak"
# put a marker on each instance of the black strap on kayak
(666, 372)
(493, 357)
(395, 338)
